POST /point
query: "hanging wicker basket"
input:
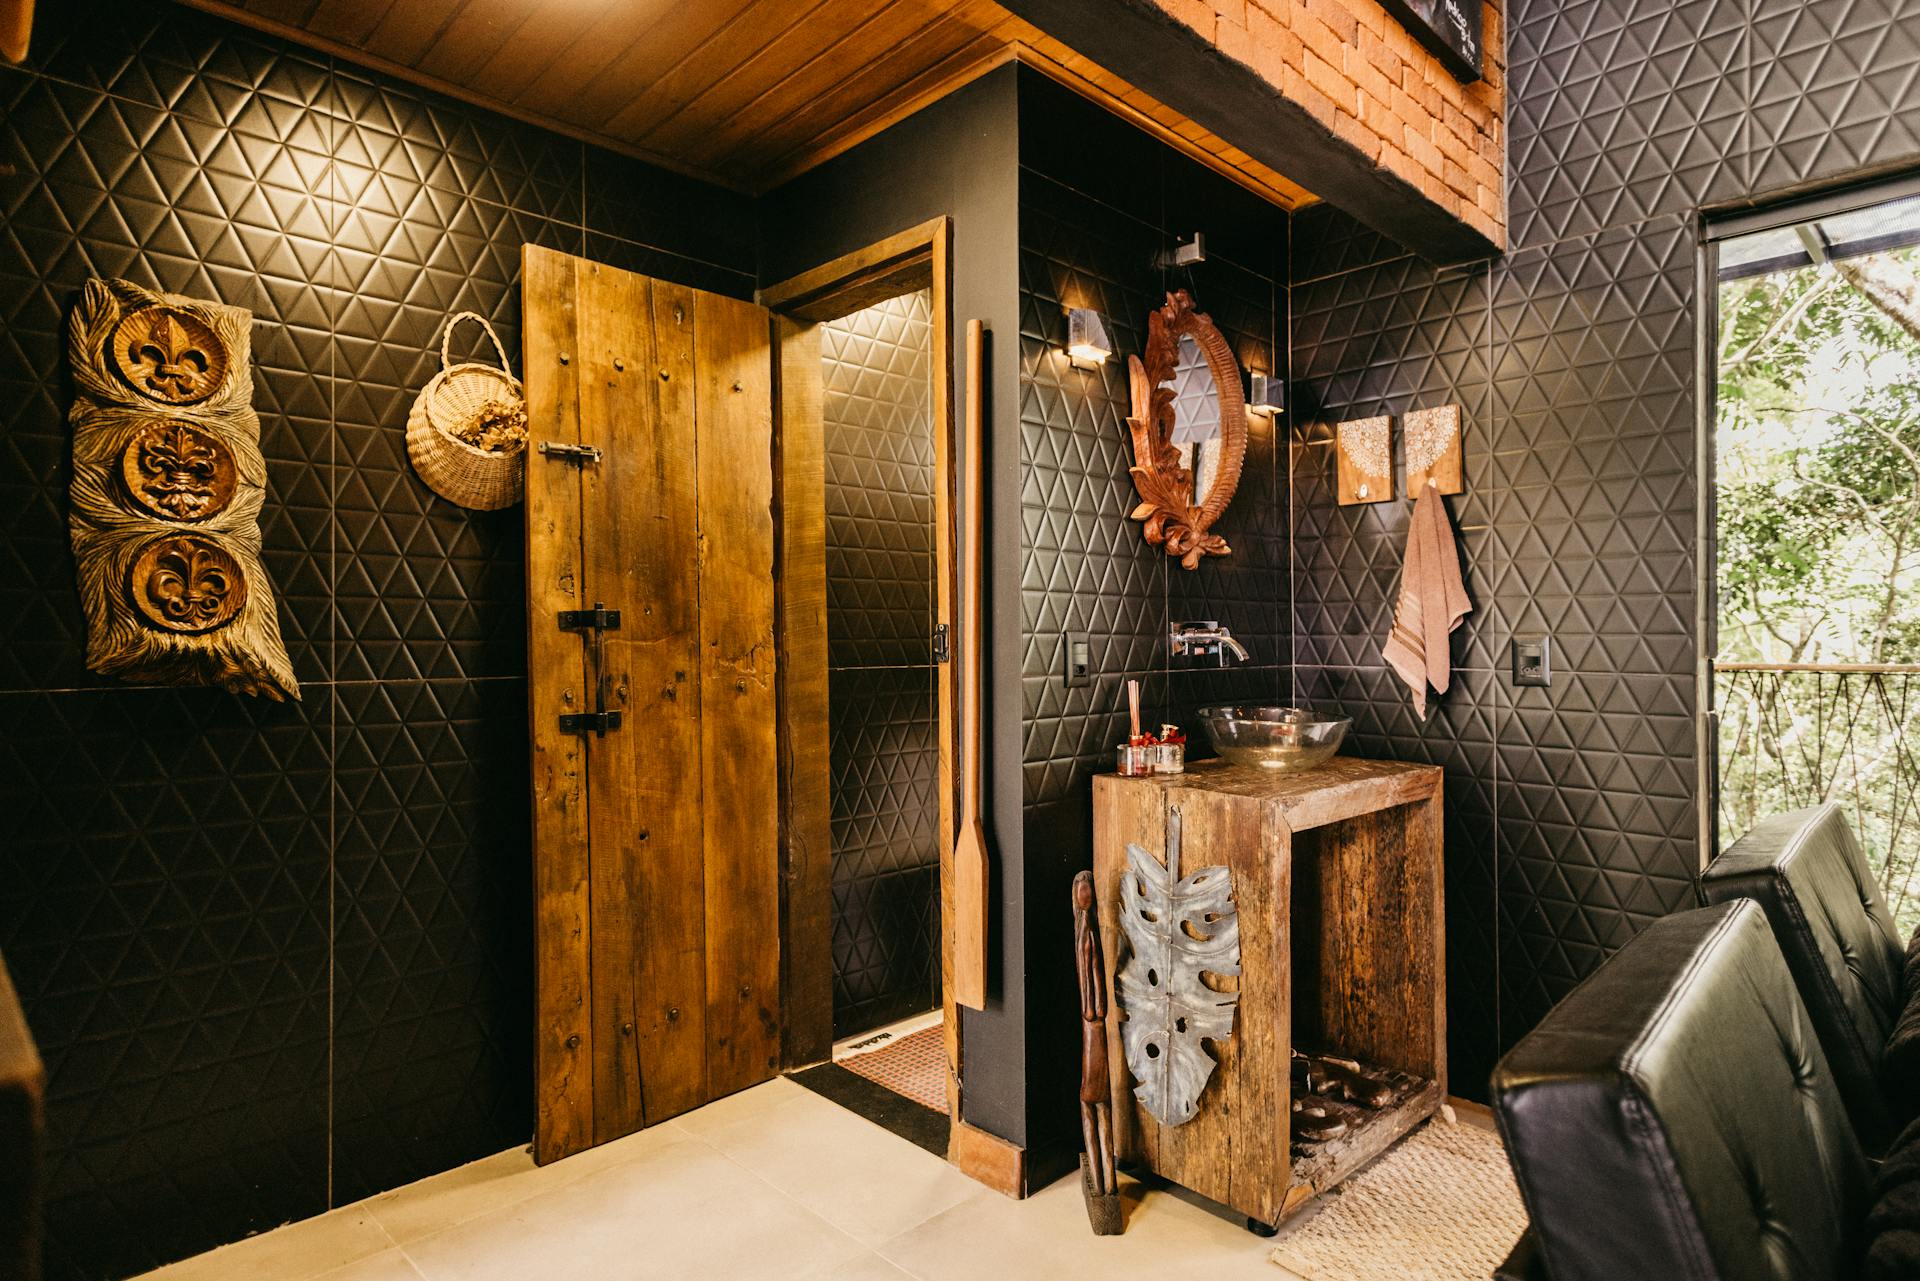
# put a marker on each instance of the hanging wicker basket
(483, 479)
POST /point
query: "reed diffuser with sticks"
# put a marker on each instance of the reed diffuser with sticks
(1135, 757)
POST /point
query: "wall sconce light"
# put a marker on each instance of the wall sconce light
(1087, 344)
(1265, 395)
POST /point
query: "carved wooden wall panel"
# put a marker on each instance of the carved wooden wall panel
(168, 482)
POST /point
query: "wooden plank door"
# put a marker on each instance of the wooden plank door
(655, 840)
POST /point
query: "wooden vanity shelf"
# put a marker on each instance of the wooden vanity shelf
(1338, 879)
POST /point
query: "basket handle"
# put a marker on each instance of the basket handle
(446, 339)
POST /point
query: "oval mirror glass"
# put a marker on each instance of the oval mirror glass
(1196, 417)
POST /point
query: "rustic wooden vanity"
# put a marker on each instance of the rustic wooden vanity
(1337, 877)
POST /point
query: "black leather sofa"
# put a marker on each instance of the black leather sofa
(1676, 1117)
(1808, 872)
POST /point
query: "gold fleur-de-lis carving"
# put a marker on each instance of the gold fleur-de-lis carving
(187, 584)
(175, 367)
(169, 356)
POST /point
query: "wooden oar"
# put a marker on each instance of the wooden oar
(970, 841)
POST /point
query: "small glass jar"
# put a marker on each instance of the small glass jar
(1169, 758)
(1134, 762)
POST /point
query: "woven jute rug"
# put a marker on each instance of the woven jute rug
(914, 1065)
(1440, 1206)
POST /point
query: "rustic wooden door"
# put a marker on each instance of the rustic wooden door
(650, 594)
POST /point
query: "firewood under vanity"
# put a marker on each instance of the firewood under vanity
(1337, 877)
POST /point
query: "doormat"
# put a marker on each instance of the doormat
(914, 1066)
(1439, 1206)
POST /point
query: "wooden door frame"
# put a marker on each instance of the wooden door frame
(919, 257)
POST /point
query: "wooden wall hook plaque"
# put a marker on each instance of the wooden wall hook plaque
(1431, 438)
(168, 484)
(1364, 447)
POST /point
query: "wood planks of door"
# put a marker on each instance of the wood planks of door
(655, 843)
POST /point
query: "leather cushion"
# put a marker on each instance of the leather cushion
(1674, 1117)
(1808, 872)
(1893, 1224)
(1900, 1063)
(1523, 1262)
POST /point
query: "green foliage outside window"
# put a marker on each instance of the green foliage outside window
(1818, 509)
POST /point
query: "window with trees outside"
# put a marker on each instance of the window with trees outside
(1816, 434)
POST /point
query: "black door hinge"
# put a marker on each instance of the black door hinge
(599, 618)
(599, 621)
(941, 651)
(595, 723)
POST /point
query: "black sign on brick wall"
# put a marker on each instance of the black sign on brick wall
(1450, 29)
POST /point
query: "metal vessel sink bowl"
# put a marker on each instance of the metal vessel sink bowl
(1277, 738)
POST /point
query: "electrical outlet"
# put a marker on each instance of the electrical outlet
(1532, 661)
(1077, 653)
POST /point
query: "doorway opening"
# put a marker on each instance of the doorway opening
(882, 694)
(864, 450)
(1813, 656)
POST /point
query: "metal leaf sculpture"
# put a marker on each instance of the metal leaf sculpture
(1179, 929)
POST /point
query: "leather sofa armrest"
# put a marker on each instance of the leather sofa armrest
(1524, 1262)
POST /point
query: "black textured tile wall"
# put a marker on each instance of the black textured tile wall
(1626, 117)
(1573, 366)
(1593, 475)
(1099, 203)
(219, 1060)
(433, 932)
(1596, 818)
(1386, 336)
(884, 755)
(164, 899)
(1619, 110)
(1832, 89)
(877, 411)
(878, 417)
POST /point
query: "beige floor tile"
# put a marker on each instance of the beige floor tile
(865, 1181)
(389, 1265)
(444, 1200)
(867, 1267)
(678, 1210)
(296, 1252)
(759, 1101)
(493, 1183)
(1047, 1237)
(774, 1183)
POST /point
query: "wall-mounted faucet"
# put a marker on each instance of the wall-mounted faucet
(1197, 640)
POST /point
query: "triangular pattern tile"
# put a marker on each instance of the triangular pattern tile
(883, 753)
(1084, 566)
(884, 761)
(877, 410)
(163, 910)
(188, 845)
(1621, 110)
(1835, 88)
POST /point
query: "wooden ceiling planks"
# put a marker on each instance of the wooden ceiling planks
(783, 69)
(747, 93)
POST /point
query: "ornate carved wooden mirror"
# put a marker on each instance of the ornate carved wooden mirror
(1189, 428)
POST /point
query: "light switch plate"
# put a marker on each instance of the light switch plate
(1077, 656)
(1532, 660)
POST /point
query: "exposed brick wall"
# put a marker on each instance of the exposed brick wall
(1355, 68)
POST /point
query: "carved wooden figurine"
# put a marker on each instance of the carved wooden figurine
(168, 482)
(1099, 1177)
